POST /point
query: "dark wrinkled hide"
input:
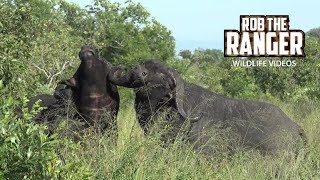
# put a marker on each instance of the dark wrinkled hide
(254, 124)
(46, 100)
(93, 94)
(54, 107)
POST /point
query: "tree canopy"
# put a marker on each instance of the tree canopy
(45, 36)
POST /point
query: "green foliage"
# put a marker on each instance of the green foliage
(185, 54)
(299, 83)
(315, 33)
(32, 38)
(208, 55)
(26, 152)
(126, 33)
(45, 36)
(15, 25)
(239, 84)
(54, 54)
(273, 79)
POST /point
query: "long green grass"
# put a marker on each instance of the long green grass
(127, 154)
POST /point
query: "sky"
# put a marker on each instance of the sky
(201, 23)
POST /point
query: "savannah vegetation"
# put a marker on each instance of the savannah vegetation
(40, 41)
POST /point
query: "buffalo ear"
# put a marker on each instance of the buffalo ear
(177, 85)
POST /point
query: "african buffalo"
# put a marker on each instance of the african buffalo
(253, 124)
(93, 94)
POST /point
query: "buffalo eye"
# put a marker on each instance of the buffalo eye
(144, 73)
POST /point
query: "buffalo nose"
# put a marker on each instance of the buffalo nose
(86, 55)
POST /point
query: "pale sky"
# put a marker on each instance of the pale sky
(201, 23)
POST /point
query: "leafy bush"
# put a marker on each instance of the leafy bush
(26, 152)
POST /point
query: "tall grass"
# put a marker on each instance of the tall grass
(27, 153)
(134, 156)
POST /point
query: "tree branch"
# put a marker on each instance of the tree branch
(44, 71)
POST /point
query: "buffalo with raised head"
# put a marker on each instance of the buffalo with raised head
(93, 94)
